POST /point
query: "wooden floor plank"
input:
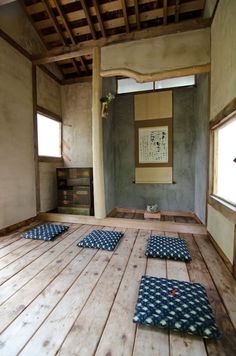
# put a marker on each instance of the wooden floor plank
(119, 332)
(34, 315)
(12, 285)
(50, 336)
(7, 240)
(182, 344)
(223, 279)
(198, 272)
(19, 252)
(13, 246)
(19, 301)
(152, 341)
(105, 291)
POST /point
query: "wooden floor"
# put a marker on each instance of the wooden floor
(59, 299)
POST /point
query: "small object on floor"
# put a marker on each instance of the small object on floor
(175, 305)
(168, 247)
(148, 216)
(46, 232)
(153, 209)
(101, 239)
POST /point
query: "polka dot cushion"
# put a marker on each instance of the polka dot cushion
(45, 232)
(102, 239)
(176, 305)
(167, 247)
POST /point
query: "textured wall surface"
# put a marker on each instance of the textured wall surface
(77, 124)
(48, 185)
(223, 56)
(17, 178)
(159, 54)
(223, 89)
(201, 105)
(179, 196)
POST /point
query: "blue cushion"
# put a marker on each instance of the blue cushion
(167, 247)
(177, 305)
(45, 232)
(102, 239)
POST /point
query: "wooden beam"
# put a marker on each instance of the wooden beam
(165, 11)
(84, 64)
(177, 10)
(125, 14)
(89, 19)
(167, 226)
(87, 48)
(99, 17)
(54, 20)
(137, 14)
(64, 20)
(97, 138)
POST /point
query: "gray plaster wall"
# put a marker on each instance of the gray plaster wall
(178, 196)
(201, 110)
(17, 178)
(109, 85)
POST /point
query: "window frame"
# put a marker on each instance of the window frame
(57, 118)
(225, 116)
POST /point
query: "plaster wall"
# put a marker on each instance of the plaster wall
(77, 124)
(159, 54)
(17, 178)
(223, 89)
(178, 196)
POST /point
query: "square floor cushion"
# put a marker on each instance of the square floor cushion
(177, 305)
(168, 247)
(45, 232)
(101, 239)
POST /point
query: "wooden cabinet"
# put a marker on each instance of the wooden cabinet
(75, 191)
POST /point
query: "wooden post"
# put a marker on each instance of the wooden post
(98, 170)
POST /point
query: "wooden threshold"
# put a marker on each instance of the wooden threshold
(168, 226)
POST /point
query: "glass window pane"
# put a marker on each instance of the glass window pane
(175, 82)
(129, 85)
(49, 137)
(225, 165)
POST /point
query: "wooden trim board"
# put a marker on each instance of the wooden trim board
(16, 226)
(125, 223)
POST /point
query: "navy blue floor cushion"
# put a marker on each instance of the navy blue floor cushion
(167, 247)
(176, 305)
(102, 239)
(45, 232)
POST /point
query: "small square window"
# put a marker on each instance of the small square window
(49, 136)
(225, 161)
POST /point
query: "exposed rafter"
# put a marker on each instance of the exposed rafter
(88, 17)
(165, 11)
(60, 54)
(137, 14)
(125, 14)
(54, 20)
(99, 17)
(177, 10)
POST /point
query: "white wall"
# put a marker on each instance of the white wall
(17, 178)
(223, 90)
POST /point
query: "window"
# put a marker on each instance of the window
(128, 85)
(225, 161)
(49, 136)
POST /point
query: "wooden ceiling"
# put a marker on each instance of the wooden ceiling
(64, 23)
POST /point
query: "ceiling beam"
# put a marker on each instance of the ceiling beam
(99, 17)
(137, 14)
(88, 17)
(54, 20)
(125, 14)
(85, 49)
(165, 10)
(177, 10)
